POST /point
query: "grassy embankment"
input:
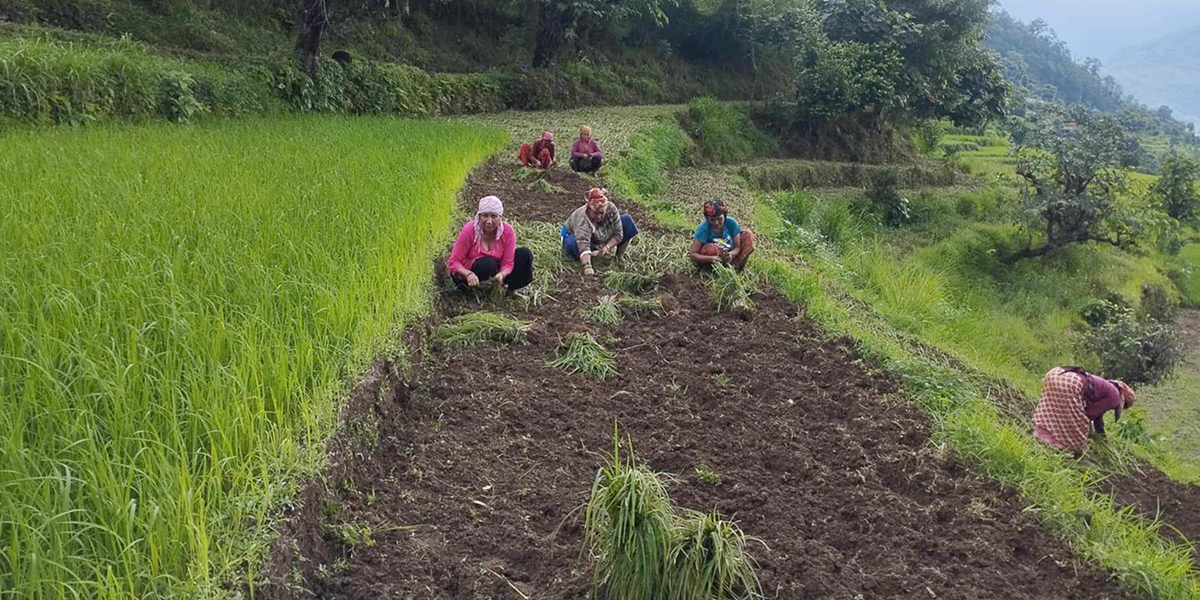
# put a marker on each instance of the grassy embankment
(885, 288)
(180, 311)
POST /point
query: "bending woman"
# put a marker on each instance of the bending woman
(720, 239)
(597, 229)
(1073, 402)
(486, 251)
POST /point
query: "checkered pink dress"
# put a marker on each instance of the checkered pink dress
(1059, 419)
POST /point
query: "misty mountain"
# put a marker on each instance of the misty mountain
(1165, 71)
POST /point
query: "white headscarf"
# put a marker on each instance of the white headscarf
(489, 204)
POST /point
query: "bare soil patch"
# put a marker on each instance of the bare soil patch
(462, 479)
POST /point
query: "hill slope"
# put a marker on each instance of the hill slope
(1164, 72)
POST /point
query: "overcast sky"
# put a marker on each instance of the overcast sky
(1102, 27)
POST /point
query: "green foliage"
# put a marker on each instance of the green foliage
(791, 174)
(1136, 351)
(641, 307)
(730, 290)
(481, 327)
(657, 151)
(927, 136)
(629, 526)
(723, 133)
(581, 353)
(46, 81)
(709, 560)
(706, 476)
(189, 317)
(633, 283)
(1177, 192)
(887, 199)
(605, 312)
(644, 549)
(1070, 160)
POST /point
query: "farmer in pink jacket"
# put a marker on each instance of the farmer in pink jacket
(486, 252)
(585, 154)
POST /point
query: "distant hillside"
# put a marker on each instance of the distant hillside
(1166, 71)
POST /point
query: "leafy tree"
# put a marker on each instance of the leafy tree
(1176, 192)
(559, 20)
(1070, 161)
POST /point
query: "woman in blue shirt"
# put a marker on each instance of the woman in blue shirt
(720, 239)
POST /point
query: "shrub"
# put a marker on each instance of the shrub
(928, 136)
(887, 199)
(709, 561)
(1135, 351)
(1156, 304)
(724, 133)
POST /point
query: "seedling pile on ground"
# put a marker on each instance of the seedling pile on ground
(644, 548)
(606, 311)
(581, 353)
(641, 307)
(730, 290)
(482, 327)
(632, 283)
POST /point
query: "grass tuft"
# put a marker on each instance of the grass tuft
(709, 560)
(633, 283)
(541, 185)
(731, 290)
(641, 307)
(581, 353)
(605, 312)
(482, 327)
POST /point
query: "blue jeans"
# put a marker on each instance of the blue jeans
(571, 247)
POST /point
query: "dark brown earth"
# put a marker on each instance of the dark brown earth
(1159, 497)
(463, 478)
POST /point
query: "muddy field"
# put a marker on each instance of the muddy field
(462, 476)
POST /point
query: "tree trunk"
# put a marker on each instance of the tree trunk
(308, 47)
(550, 33)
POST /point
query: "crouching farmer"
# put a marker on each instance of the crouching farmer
(597, 229)
(539, 154)
(1073, 404)
(585, 153)
(720, 239)
(486, 252)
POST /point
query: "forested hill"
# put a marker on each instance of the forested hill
(1163, 72)
(1036, 60)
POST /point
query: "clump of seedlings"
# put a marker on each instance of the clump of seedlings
(482, 327)
(632, 283)
(646, 549)
(641, 307)
(542, 185)
(706, 476)
(605, 312)
(581, 353)
(730, 290)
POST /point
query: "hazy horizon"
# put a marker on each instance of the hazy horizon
(1101, 28)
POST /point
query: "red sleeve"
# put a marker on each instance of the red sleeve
(508, 243)
(462, 248)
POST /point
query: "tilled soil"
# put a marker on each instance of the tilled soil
(465, 480)
(1159, 497)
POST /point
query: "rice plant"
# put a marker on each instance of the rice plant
(628, 526)
(641, 307)
(709, 561)
(179, 309)
(632, 283)
(604, 312)
(482, 327)
(542, 185)
(730, 290)
(581, 353)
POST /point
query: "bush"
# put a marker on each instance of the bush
(887, 199)
(786, 175)
(1157, 304)
(1136, 351)
(1106, 310)
(928, 136)
(724, 133)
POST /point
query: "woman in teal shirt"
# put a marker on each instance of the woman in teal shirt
(720, 239)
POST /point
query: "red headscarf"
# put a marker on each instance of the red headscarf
(597, 198)
(713, 208)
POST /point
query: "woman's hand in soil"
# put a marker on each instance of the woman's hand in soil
(725, 257)
(499, 279)
(472, 280)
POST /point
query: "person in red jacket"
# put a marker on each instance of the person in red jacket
(1073, 402)
(538, 154)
